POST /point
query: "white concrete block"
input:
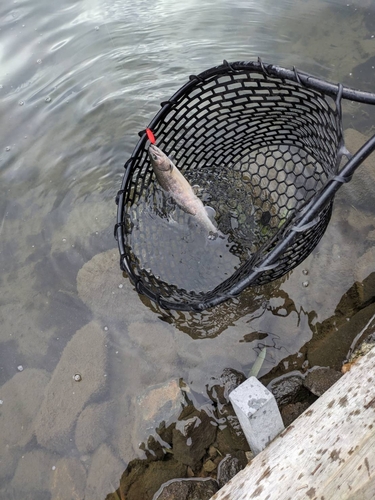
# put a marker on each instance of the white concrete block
(257, 412)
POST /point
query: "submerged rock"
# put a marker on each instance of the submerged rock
(320, 379)
(85, 354)
(192, 437)
(21, 398)
(34, 473)
(104, 474)
(187, 489)
(93, 426)
(292, 411)
(68, 480)
(142, 479)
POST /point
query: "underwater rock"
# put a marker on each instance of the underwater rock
(228, 381)
(104, 474)
(230, 436)
(320, 379)
(192, 437)
(187, 489)
(156, 341)
(34, 473)
(365, 264)
(84, 354)
(360, 190)
(142, 479)
(332, 345)
(102, 287)
(229, 467)
(9, 456)
(286, 388)
(68, 480)
(292, 411)
(93, 426)
(21, 398)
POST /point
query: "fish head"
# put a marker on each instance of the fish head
(159, 160)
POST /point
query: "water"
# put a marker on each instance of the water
(78, 81)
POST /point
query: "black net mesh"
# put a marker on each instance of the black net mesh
(258, 147)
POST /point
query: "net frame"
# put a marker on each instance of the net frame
(246, 107)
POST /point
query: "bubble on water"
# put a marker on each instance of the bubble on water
(21, 103)
(53, 467)
(48, 99)
(305, 284)
(7, 148)
(121, 286)
(39, 61)
(106, 328)
(77, 377)
(20, 368)
(1, 401)
(64, 240)
(305, 272)
(97, 28)
(1, 86)
(96, 232)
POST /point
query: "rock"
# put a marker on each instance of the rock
(360, 190)
(9, 456)
(320, 379)
(156, 341)
(229, 467)
(228, 381)
(286, 388)
(104, 474)
(187, 489)
(292, 411)
(34, 473)
(93, 426)
(160, 403)
(68, 480)
(84, 354)
(98, 284)
(365, 264)
(332, 345)
(192, 437)
(22, 396)
(142, 479)
(230, 436)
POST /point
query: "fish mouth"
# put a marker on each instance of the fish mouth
(153, 151)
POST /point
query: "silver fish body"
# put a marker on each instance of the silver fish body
(175, 184)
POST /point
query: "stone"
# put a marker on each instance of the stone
(34, 473)
(319, 379)
(228, 381)
(286, 387)
(68, 480)
(98, 287)
(364, 266)
(142, 479)
(331, 347)
(192, 437)
(230, 436)
(228, 467)
(9, 456)
(292, 411)
(85, 354)
(93, 426)
(104, 473)
(360, 190)
(155, 341)
(187, 489)
(22, 396)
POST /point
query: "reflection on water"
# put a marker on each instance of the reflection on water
(78, 80)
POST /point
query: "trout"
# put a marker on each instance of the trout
(175, 184)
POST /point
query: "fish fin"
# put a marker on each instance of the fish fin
(258, 363)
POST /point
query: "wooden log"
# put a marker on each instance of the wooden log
(328, 453)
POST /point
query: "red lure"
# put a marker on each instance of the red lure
(150, 136)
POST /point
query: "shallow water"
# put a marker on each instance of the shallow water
(77, 82)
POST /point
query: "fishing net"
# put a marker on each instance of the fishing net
(264, 147)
